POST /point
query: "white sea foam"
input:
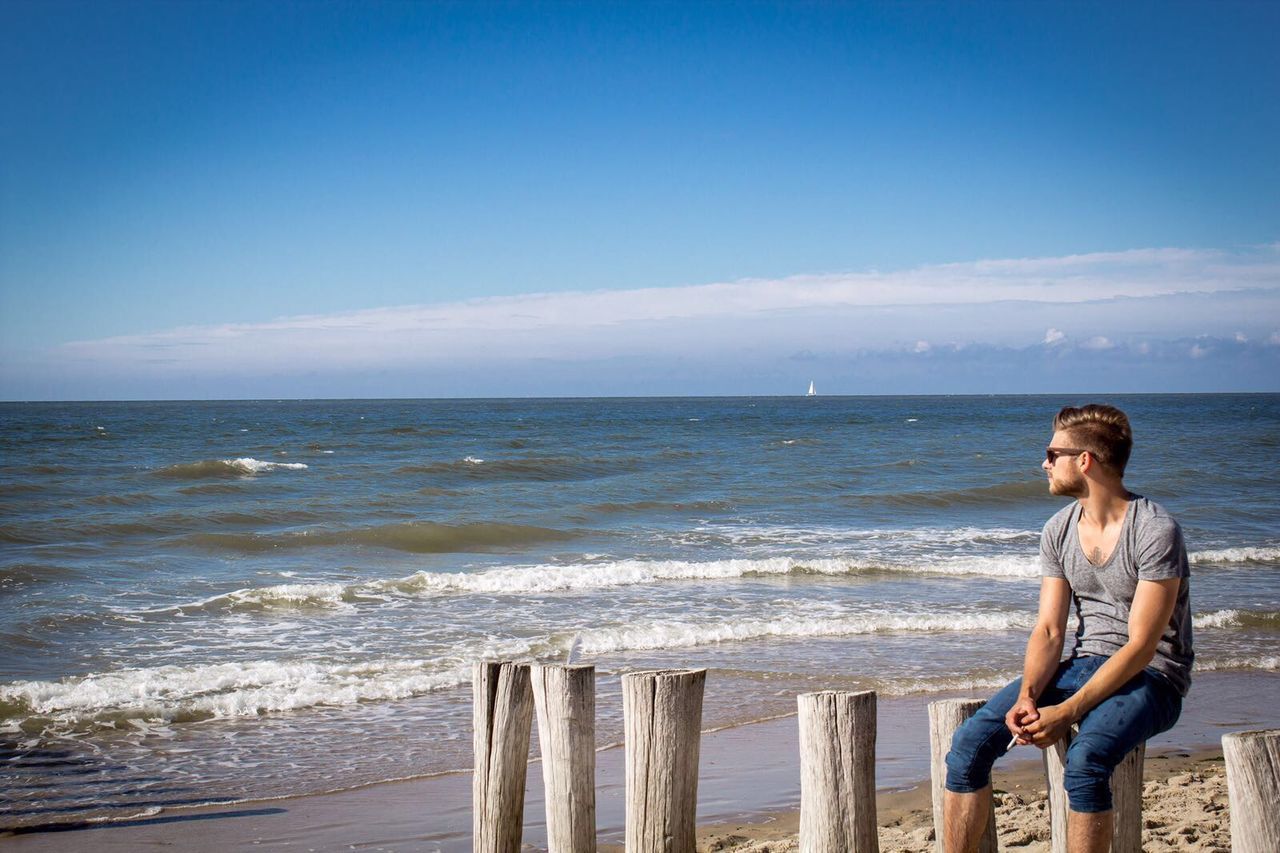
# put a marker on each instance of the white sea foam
(550, 578)
(1237, 555)
(1237, 619)
(472, 460)
(794, 537)
(286, 595)
(581, 577)
(1269, 663)
(250, 465)
(678, 635)
(1217, 619)
(181, 693)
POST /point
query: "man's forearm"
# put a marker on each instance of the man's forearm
(1044, 653)
(1110, 677)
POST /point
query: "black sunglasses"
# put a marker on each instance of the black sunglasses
(1051, 454)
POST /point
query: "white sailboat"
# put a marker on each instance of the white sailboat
(811, 393)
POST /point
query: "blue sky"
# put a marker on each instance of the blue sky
(413, 199)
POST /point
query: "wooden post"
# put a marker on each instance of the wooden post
(838, 772)
(502, 715)
(1126, 798)
(1126, 793)
(565, 699)
(662, 713)
(945, 717)
(1253, 787)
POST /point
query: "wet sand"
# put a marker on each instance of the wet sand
(748, 792)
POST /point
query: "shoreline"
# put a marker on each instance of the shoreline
(748, 787)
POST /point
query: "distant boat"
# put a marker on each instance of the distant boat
(812, 393)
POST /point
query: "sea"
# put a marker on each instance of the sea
(225, 601)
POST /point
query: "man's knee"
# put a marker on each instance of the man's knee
(1087, 776)
(968, 768)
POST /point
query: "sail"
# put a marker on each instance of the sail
(812, 393)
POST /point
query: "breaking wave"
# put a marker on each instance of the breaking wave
(1267, 663)
(1237, 555)
(191, 693)
(243, 467)
(1264, 619)
(578, 577)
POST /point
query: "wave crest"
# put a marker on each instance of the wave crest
(1237, 555)
(245, 466)
(191, 693)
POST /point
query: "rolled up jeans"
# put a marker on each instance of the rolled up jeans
(1145, 706)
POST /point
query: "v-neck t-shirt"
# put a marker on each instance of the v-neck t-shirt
(1151, 548)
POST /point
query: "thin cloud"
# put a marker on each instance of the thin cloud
(1108, 301)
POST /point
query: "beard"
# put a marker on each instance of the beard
(1072, 486)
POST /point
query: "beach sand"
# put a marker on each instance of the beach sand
(1184, 807)
(748, 793)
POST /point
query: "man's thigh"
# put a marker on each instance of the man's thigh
(1141, 709)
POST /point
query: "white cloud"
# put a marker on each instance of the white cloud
(1054, 336)
(1098, 298)
(1199, 351)
(1274, 339)
(1241, 338)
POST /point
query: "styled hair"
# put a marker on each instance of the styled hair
(1100, 429)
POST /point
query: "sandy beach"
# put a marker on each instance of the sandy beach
(1184, 807)
(748, 793)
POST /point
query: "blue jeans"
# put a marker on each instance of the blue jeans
(1145, 706)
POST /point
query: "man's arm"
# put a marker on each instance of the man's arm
(1044, 652)
(1153, 603)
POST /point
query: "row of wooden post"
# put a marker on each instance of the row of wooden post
(662, 712)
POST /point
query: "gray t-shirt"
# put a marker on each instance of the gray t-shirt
(1150, 548)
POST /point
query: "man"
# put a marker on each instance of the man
(1122, 560)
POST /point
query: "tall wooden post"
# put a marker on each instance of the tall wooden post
(1253, 786)
(502, 716)
(837, 772)
(1126, 792)
(565, 699)
(945, 717)
(662, 713)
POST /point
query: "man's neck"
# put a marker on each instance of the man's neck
(1104, 505)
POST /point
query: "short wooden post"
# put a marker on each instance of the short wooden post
(565, 699)
(945, 717)
(1126, 794)
(502, 716)
(1126, 798)
(838, 772)
(662, 713)
(1253, 787)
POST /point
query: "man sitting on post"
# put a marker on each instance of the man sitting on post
(1121, 558)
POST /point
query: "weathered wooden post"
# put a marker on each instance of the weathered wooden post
(565, 699)
(1253, 787)
(945, 717)
(838, 772)
(1126, 792)
(1126, 797)
(502, 716)
(662, 712)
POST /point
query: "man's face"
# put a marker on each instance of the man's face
(1064, 472)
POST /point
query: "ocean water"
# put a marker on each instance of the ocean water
(216, 601)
